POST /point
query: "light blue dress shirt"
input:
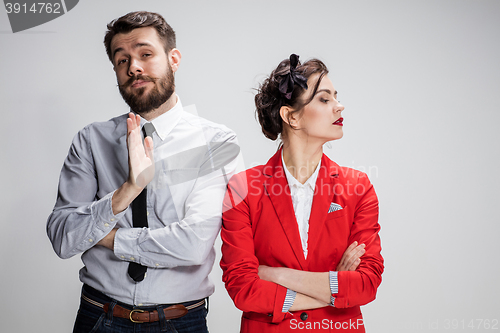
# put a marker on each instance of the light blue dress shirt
(194, 159)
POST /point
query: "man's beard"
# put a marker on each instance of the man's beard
(161, 92)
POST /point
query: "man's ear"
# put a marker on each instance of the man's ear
(174, 56)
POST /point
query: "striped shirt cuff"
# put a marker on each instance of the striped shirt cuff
(289, 299)
(334, 286)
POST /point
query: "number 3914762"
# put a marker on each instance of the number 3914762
(35, 8)
(487, 324)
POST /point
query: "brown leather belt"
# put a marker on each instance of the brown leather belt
(141, 316)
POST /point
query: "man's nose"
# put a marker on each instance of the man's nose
(135, 67)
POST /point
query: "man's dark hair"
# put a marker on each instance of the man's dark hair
(135, 20)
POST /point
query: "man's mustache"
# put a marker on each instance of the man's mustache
(136, 78)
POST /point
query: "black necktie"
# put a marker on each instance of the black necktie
(139, 217)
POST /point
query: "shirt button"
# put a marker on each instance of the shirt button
(157, 265)
(106, 225)
(90, 240)
(132, 258)
(123, 257)
(112, 219)
(303, 316)
(140, 304)
(147, 213)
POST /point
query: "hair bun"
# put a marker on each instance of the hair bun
(269, 99)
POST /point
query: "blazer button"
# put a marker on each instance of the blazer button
(303, 316)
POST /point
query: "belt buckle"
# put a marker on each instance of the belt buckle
(130, 316)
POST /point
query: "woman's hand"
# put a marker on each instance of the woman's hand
(351, 258)
(315, 285)
(311, 284)
(349, 262)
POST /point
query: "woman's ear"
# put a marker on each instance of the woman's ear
(288, 116)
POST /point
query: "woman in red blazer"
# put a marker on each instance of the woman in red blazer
(291, 228)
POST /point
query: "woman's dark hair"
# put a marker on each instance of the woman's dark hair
(269, 99)
(135, 20)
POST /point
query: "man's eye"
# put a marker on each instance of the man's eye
(147, 55)
(324, 100)
(122, 61)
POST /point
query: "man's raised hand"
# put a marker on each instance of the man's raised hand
(140, 156)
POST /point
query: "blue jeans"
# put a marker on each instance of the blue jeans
(91, 318)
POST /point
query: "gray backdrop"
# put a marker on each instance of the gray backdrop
(420, 82)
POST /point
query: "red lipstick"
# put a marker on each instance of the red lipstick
(339, 122)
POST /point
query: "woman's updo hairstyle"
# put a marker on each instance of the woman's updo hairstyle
(270, 98)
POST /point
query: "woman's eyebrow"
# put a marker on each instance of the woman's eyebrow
(328, 91)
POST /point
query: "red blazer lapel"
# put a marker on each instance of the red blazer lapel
(276, 187)
(323, 195)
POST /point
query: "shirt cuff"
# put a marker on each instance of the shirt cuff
(126, 244)
(102, 211)
(289, 299)
(334, 286)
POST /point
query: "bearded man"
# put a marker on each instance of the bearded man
(144, 215)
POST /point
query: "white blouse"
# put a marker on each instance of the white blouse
(302, 199)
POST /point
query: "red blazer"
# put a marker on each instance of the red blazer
(259, 228)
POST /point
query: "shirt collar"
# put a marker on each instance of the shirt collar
(166, 122)
(292, 181)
